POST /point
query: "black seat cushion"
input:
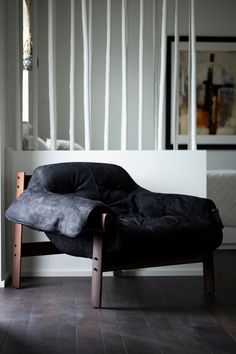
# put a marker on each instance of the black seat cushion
(61, 198)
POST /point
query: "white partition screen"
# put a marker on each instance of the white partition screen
(106, 70)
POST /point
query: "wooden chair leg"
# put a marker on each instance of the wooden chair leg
(16, 259)
(208, 274)
(96, 291)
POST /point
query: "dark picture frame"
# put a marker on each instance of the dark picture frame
(216, 92)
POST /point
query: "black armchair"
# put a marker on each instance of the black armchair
(96, 210)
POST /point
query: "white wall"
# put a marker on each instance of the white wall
(219, 159)
(213, 17)
(10, 70)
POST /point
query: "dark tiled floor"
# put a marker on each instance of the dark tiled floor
(142, 315)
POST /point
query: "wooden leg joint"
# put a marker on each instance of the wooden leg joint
(208, 274)
(96, 291)
(16, 261)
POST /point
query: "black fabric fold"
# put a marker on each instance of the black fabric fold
(66, 214)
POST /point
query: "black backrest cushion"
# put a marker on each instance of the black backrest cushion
(113, 182)
(101, 181)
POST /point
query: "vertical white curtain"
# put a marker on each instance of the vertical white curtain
(140, 96)
(158, 97)
(86, 75)
(193, 85)
(72, 75)
(18, 81)
(161, 105)
(35, 74)
(52, 73)
(175, 96)
(124, 119)
(155, 71)
(90, 56)
(107, 77)
(189, 77)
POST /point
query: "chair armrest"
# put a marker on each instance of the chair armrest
(67, 214)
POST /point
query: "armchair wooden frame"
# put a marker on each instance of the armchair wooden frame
(26, 249)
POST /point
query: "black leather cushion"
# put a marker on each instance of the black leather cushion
(61, 198)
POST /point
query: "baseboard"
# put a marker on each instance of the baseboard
(3, 283)
(165, 272)
(182, 270)
(228, 246)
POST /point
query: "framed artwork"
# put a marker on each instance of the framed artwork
(216, 92)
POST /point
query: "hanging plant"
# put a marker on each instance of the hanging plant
(28, 44)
